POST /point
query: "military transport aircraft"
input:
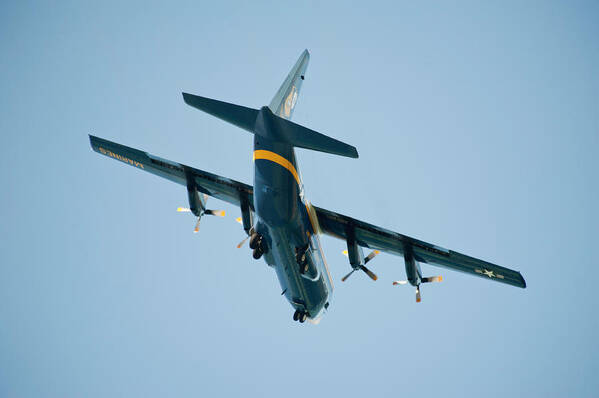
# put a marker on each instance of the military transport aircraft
(281, 224)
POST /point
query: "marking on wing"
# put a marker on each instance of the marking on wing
(489, 273)
(120, 157)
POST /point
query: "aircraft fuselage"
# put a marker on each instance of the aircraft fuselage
(283, 219)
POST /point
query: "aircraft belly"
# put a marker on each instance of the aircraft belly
(308, 292)
(283, 220)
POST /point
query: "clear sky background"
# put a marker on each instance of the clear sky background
(478, 130)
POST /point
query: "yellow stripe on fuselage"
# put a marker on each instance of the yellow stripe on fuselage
(278, 159)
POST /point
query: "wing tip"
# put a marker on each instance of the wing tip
(186, 97)
(93, 141)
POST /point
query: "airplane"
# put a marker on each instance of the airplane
(282, 226)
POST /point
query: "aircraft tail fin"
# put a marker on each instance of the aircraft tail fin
(284, 100)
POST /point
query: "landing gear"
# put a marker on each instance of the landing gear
(302, 259)
(258, 245)
(255, 240)
(304, 268)
(300, 316)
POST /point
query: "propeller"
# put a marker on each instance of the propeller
(218, 213)
(347, 276)
(423, 280)
(242, 242)
(372, 255)
(240, 221)
(197, 227)
(368, 272)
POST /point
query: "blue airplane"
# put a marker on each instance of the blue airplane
(282, 226)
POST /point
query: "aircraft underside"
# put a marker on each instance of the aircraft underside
(280, 224)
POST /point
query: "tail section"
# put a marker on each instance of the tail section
(273, 122)
(279, 129)
(285, 99)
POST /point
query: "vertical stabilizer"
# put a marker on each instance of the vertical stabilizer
(285, 99)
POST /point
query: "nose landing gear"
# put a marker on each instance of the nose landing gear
(300, 316)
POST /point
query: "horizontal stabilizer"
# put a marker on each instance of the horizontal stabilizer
(303, 137)
(263, 122)
(238, 115)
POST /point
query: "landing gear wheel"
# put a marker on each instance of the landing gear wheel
(301, 258)
(296, 315)
(304, 268)
(303, 316)
(302, 261)
(255, 240)
(257, 253)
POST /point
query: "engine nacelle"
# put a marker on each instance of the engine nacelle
(354, 252)
(197, 203)
(413, 272)
(246, 214)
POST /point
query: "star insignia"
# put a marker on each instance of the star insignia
(490, 274)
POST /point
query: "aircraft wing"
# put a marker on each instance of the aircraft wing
(222, 188)
(371, 236)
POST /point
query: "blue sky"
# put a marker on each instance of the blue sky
(477, 126)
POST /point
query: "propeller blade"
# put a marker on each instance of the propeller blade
(239, 220)
(395, 283)
(371, 256)
(371, 274)
(183, 210)
(197, 228)
(432, 279)
(418, 298)
(347, 276)
(345, 253)
(242, 242)
(219, 213)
